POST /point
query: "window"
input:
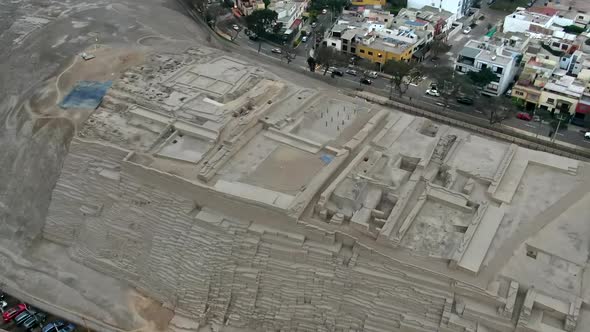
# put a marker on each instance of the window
(550, 101)
(362, 51)
(555, 44)
(352, 50)
(333, 44)
(344, 41)
(484, 66)
(564, 47)
(519, 93)
(380, 55)
(580, 17)
(344, 48)
(499, 70)
(370, 53)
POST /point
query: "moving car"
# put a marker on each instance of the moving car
(366, 81)
(336, 72)
(432, 92)
(314, 24)
(304, 39)
(587, 135)
(276, 50)
(235, 27)
(524, 116)
(467, 30)
(324, 11)
(351, 72)
(464, 100)
(35, 320)
(9, 314)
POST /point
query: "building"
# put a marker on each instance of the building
(537, 72)
(523, 21)
(457, 7)
(501, 55)
(289, 13)
(440, 20)
(373, 3)
(561, 94)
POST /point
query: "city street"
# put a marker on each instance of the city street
(415, 94)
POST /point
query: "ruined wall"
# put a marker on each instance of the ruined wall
(129, 223)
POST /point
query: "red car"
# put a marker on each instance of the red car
(9, 314)
(524, 116)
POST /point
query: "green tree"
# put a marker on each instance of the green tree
(260, 21)
(401, 75)
(449, 84)
(438, 46)
(482, 78)
(573, 29)
(266, 3)
(327, 56)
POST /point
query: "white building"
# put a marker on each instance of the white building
(458, 7)
(525, 21)
(501, 59)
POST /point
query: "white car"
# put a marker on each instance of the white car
(324, 11)
(304, 39)
(432, 92)
(276, 50)
(467, 30)
(371, 74)
(587, 135)
(235, 27)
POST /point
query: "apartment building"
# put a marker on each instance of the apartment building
(523, 21)
(501, 55)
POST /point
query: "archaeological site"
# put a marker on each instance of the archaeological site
(236, 201)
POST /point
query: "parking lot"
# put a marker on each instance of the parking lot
(9, 317)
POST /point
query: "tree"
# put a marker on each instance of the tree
(449, 84)
(266, 3)
(327, 56)
(288, 52)
(438, 46)
(482, 78)
(260, 21)
(573, 29)
(401, 74)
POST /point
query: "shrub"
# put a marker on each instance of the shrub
(573, 29)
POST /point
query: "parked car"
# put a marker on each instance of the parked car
(20, 318)
(464, 100)
(35, 320)
(324, 11)
(276, 50)
(351, 72)
(524, 116)
(59, 326)
(371, 74)
(509, 93)
(253, 36)
(467, 30)
(235, 27)
(304, 39)
(432, 92)
(587, 135)
(68, 328)
(366, 81)
(314, 24)
(9, 314)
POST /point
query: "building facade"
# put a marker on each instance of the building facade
(458, 7)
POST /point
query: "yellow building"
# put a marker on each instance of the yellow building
(369, 3)
(378, 51)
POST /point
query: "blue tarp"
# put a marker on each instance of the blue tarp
(326, 158)
(86, 95)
